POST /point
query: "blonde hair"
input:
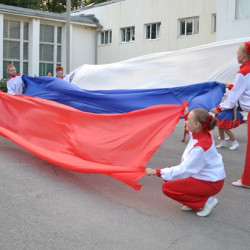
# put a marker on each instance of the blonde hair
(201, 115)
(243, 49)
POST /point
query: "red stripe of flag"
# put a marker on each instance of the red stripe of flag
(118, 145)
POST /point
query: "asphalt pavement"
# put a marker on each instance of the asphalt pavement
(45, 207)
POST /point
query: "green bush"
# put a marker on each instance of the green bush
(3, 85)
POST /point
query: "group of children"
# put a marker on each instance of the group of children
(200, 175)
(15, 83)
(59, 72)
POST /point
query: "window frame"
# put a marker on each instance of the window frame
(105, 37)
(246, 9)
(195, 26)
(21, 62)
(56, 43)
(157, 31)
(125, 32)
(214, 23)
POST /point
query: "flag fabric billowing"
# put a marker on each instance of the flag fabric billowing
(202, 95)
(118, 145)
(209, 62)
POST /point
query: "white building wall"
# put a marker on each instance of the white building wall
(179, 9)
(140, 12)
(124, 14)
(228, 26)
(82, 46)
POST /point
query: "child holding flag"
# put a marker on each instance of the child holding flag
(201, 174)
(240, 92)
(14, 82)
(59, 72)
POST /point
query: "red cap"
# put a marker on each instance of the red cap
(59, 68)
(247, 44)
(10, 66)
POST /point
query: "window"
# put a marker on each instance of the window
(213, 23)
(128, 34)
(106, 37)
(242, 9)
(50, 48)
(189, 26)
(15, 46)
(152, 30)
(59, 46)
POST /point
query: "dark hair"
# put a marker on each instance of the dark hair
(201, 115)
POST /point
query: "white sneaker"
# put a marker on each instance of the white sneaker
(186, 208)
(221, 145)
(226, 138)
(234, 145)
(239, 184)
(208, 208)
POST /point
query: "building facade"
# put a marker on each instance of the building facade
(34, 41)
(113, 31)
(133, 28)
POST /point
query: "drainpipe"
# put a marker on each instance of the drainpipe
(68, 59)
(96, 40)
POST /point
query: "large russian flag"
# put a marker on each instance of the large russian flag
(115, 124)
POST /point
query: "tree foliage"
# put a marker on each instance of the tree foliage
(31, 4)
(58, 6)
